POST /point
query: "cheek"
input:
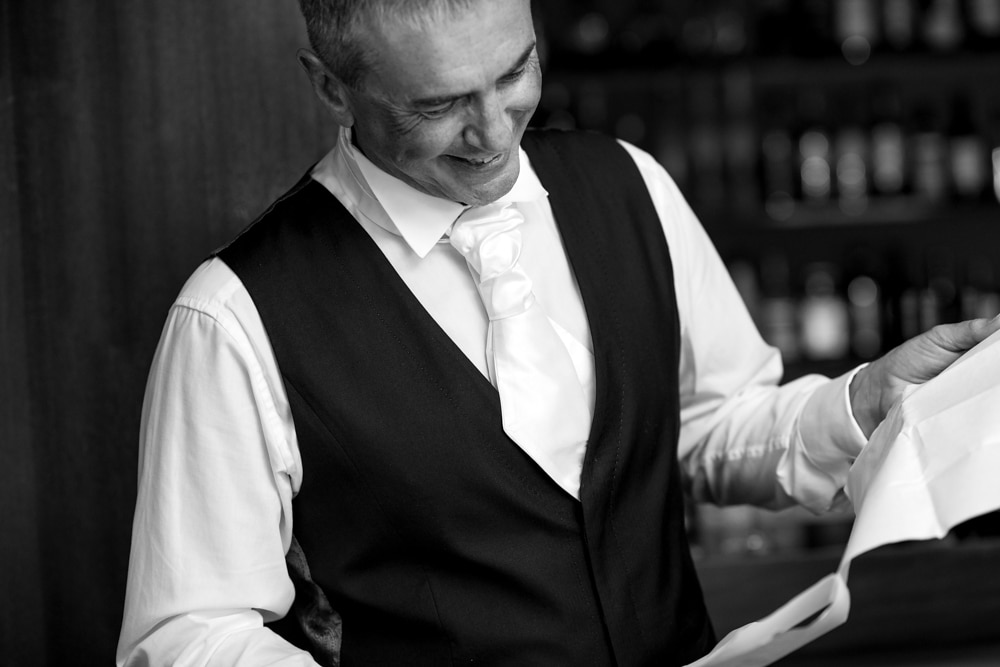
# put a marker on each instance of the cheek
(426, 144)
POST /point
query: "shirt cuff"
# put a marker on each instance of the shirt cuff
(830, 433)
(859, 433)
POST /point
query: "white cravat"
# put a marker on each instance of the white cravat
(543, 405)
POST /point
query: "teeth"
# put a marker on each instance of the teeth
(480, 162)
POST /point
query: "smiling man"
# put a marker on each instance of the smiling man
(443, 102)
(443, 401)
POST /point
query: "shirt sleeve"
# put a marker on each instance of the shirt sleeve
(744, 439)
(213, 510)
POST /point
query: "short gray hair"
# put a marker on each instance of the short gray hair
(336, 28)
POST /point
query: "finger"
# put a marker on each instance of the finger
(923, 357)
(961, 336)
(989, 327)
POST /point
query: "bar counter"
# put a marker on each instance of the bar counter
(922, 603)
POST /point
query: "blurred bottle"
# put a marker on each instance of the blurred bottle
(888, 142)
(823, 313)
(714, 31)
(746, 531)
(777, 307)
(855, 29)
(983, 17)
(778, 157)
(968, 153)
(900, 19)
(940, 303)
(731, 33)
(981, 289)
(908, 300)
(697, 33)
(865, 297)
(931, 297)
(943, 28)
(589, 39)
(929, 153)
(731, 531)
(814, 148)
(852, 157)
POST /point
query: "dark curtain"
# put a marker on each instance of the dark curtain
(135, 137)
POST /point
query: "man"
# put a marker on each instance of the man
(329, 429)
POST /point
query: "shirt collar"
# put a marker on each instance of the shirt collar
(420, 219)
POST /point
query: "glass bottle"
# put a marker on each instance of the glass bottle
(823, 314)
(968, 152)
(929, 155)
(888, 143)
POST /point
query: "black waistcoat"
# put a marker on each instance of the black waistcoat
(432, 534)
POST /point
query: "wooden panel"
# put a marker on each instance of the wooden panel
(147, 133)
(19, 547)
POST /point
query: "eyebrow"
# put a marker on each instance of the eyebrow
(443, 99)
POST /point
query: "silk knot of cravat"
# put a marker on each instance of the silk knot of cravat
(490, 240)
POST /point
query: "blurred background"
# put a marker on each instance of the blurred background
(844, 155)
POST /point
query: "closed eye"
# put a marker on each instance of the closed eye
(527, 62)
(438, 111)
(511, 77)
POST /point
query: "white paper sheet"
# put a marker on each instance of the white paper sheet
(929, 466)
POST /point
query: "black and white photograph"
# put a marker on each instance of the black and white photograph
(511, 333)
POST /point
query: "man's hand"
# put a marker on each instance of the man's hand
(880, 384)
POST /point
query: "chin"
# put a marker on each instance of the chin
(481, 197)
(487, 193)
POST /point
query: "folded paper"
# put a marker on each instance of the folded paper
(929, 466)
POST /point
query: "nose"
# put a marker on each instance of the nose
(491, 125)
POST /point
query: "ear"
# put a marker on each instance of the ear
(330, 90)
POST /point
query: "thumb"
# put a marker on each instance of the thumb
(962, 336)
(877, 386)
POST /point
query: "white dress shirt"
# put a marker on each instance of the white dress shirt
(219, 462)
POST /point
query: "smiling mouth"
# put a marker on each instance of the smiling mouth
(479, 162)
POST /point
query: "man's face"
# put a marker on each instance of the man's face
(445, 105)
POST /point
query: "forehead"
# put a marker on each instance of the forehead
(449, 53)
